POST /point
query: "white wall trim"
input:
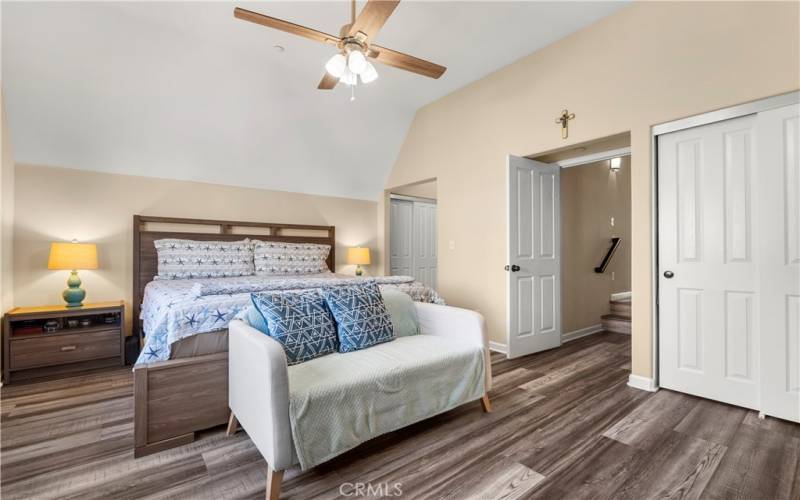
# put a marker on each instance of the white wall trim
(747, 108)
(498, 347)
(582, 332)
(565, 337)
(642, 383)
(621, 295)
(405, 197)
(594, 157)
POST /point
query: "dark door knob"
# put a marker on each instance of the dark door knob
(668, 274)
(513, 268)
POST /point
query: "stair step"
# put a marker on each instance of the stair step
(621, 307)
(616, 323)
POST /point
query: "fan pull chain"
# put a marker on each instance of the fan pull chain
(352, 92)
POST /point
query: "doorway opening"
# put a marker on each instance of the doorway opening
(596, 257)
(413, 247)
(569, 254)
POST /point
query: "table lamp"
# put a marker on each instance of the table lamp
(358, 256)
(71, 257)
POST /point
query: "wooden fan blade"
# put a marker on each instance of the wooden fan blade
(413, 64)
(373, 16)
(279, 24)
(328, 82)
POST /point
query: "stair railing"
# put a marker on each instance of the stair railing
(603, 265)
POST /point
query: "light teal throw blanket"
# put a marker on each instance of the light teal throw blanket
(341, 400)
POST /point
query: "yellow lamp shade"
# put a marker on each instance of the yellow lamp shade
(358, 255)
(72, 256)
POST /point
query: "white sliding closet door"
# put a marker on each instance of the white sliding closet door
(779, 192)
(425, 252)
(401, 237)
(413, 240)
(729, 261)
(708, 298)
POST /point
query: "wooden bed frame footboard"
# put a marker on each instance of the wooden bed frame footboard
(174, 399)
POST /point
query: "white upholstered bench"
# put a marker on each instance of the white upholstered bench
(444, 366)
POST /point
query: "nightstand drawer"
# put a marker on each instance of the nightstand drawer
(64, 348)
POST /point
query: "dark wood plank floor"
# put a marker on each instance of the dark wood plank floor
(565, 425)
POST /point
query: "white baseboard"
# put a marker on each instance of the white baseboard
(642, 383)
(621, 295)
(566, 337)
(498, 347)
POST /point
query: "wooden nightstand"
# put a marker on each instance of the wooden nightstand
(55, 340)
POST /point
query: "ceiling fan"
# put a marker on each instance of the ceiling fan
(352, 62)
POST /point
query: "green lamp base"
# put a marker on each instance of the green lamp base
(359, 271)
(74, 295)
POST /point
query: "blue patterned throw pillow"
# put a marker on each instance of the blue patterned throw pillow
(361, 316)
(300, 321)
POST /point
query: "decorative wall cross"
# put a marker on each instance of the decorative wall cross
(564, 119)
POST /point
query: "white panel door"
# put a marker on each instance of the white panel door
(779, 187)
(708, 261)
(534, 256)
(401, 236)
(424, 246)
(412, 240)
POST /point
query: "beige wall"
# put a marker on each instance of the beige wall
(650, 63)
(6, 217)
(590, 196)
(61, 204)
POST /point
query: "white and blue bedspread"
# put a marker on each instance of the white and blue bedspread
(176, 309)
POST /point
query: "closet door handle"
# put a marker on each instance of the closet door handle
(513, 268)
(668, 274)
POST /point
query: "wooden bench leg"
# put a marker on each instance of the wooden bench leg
(233, 424)
(274, 479)
(486, 403)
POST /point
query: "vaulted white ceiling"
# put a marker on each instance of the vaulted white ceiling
(185, 91)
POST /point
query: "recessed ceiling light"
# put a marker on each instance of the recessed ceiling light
(278, 48)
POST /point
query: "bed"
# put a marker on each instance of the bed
(181, 376)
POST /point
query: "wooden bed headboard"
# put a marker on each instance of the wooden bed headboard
(147, 229)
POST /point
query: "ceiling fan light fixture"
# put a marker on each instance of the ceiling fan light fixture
(336, 65)
(356, 61)
(353, 43)
(369, 74)
(348, 77)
